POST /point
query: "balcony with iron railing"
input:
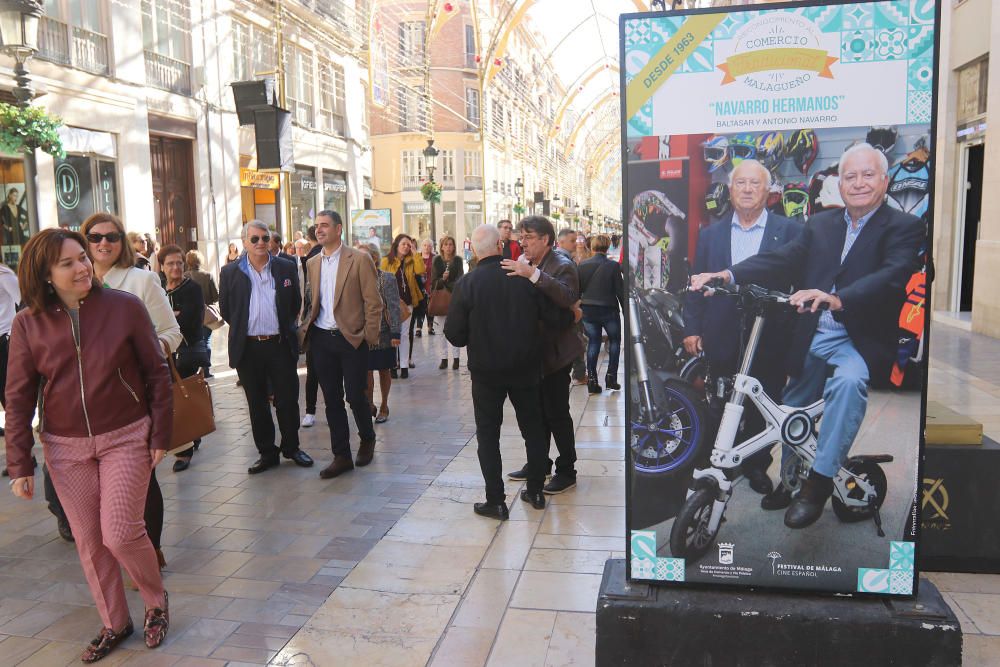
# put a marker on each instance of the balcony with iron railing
(412, 181)
(62, 43)
(167, 73)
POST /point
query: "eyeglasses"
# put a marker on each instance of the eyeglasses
(112, 237)
(266, 238)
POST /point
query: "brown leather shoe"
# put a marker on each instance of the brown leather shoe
(340, 465)
(366, 452)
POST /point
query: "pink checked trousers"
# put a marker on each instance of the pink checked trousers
(102, 484)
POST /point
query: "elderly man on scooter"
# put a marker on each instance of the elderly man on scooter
(851, 268)
(713, 326)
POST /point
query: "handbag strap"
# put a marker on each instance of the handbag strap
(177, 376)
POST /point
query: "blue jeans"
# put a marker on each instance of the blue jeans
(596, 319)
(845, 394)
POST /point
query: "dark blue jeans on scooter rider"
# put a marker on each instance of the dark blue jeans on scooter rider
(596, 319)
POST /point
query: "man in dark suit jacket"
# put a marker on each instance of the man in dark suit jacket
(856, 263)
(259, 298)
(713, 325)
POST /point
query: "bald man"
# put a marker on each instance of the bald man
(856, 262)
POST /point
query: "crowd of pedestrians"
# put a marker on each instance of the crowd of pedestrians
(102, 311)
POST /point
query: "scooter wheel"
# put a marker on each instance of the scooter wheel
(876, 477)
(690, 536)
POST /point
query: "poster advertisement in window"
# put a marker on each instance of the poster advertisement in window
(777, 244)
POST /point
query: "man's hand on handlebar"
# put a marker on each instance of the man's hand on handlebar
(811, 300)
(701, 280)
(692, 345)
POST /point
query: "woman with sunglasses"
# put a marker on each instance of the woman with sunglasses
(106, 419)
(407, 266)
(114, 266)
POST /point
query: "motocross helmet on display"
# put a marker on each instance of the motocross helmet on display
(795, 200)
(717, 200)
(882, 139)
(742, 147)
(774, 195)
(716, 152)
(771, 149)
(802, 147)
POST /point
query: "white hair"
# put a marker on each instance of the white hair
(257, 224)
(752, 163)
(484, 240)
(883, 161)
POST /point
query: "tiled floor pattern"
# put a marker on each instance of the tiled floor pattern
(388, 565)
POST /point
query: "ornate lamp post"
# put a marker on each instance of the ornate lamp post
(430, 162)
(518, 191)
(19, 39)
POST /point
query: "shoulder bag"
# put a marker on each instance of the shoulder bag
(213, 319)
(193, 414)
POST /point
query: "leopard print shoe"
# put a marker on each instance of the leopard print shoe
(104, 642)
(157, 622)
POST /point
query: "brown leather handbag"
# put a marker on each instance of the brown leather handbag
(194, 416)
(439, 301)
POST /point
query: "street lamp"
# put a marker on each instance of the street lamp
(430, 162)
(19, 39)
(518, 189)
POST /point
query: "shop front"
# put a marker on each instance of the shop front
(335, 193)
(303, 198)
(259, 195)
(14, 213)
(417, 219)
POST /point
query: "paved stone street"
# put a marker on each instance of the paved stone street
(388, 565)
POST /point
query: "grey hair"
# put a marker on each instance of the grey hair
(484, 240)
(256, 224)
(752, 163)
(883, 161)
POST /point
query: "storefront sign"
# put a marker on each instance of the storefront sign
(756, 107)
(262, 180)
(473, 207)
(416, 207)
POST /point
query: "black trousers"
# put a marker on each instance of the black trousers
(487, 403)
(264, 363)
(4, 351)
(312, 384)
(558, 422)
(340, 368)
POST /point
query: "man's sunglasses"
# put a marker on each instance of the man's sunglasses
(112, 237)
(266, 238)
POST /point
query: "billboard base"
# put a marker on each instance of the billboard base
(639, 624)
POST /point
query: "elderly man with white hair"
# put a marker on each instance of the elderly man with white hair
(854, 263)
(499, 319)
(712, 326)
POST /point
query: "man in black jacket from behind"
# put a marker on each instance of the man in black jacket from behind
(500, 319)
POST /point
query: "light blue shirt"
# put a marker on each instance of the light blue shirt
(263, 319)
(744, 243)
(826, 321)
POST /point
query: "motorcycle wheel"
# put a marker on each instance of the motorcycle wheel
(690, 537)
(876, 477)
(672, 442)
(695, 373)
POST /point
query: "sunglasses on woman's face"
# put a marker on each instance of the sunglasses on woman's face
(112, 237)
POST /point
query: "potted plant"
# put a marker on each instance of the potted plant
(431, 192)
(24, 129)
(518, 209)
(556, 215)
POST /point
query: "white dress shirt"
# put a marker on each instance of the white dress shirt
(10, 296)
(328, 267)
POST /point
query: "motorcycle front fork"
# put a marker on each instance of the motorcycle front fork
(639, 363)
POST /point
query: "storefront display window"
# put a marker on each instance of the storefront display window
(14, 212)
(303, 198)
(335, 192)
(448, 219)
(417, 219)
(84, 185)
(473, 216)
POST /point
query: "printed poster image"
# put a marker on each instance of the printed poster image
(372, 226)
(805, 114)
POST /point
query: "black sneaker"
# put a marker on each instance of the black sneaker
(64, 530)
(497, 511)
(536, 499)
(558, 484)
(611, 382)
(593, 387)
(520, 474)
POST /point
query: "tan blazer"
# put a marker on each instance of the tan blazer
(357, 302)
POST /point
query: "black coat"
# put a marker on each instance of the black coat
(871, 281)
(500, 318)
(717, 319)
(234, 304)
(188, 301)
(601, 282)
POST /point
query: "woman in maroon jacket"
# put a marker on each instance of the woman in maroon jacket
(106, 422)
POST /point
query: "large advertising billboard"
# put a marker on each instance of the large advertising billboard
(777, 183)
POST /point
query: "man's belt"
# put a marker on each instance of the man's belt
(261, 339)
(333, 332)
